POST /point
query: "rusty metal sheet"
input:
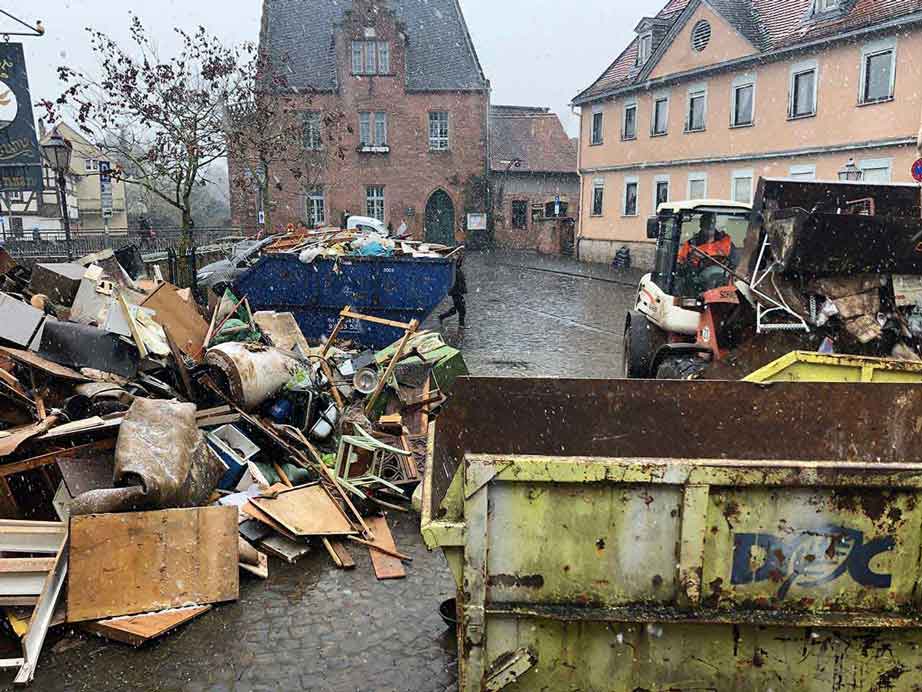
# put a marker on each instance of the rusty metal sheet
(872, 423)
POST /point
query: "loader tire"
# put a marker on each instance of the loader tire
(642, 338)
(680, 368)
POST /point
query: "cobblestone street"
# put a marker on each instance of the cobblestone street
(313, 627)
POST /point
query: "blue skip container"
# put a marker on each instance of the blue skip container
(393, 288)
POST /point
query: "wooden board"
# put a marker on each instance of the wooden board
(339, 553)
(306, 511)
(187, 327)
(137, 629)
(124, 564)
(386, 567)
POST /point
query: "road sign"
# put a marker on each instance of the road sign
(917, 171)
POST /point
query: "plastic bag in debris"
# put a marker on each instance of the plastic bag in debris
(309, 255)
(161, 462)
(828, 311)
(373, 245)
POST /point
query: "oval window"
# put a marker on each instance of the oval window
(701, 35)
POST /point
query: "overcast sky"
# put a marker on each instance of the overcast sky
(535, 52)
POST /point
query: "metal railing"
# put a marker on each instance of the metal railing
(86, 243)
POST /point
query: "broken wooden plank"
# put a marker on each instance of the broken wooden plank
(385, 566)
(31, 536)
(186, 326)
(124, 564)
(135, 630)
(340, 555)
(307, 511)
(285, 549)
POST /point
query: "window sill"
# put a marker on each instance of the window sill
(862, 104)
(802, 117)
(596, 216)
(629, 216)
(596, 144)
(629, 139)
(439, 150)
(374, 74)
(365, 149)
(689, 131)
(658, 134)
(742, 126)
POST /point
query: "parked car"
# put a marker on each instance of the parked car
(219, 275)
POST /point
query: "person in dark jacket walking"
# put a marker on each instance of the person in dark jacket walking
(457, 293)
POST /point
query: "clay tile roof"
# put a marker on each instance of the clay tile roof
(767, 24)
(440, 53)
(534, 136)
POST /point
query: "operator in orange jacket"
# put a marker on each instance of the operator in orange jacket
(712, 242)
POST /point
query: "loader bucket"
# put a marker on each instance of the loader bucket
(680, 535)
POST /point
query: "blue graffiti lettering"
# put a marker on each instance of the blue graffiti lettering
(808, 558)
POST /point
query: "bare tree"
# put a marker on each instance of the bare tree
(164, 117)
(280, 138)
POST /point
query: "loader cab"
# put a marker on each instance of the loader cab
(679, 223)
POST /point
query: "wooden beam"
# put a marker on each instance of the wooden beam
(376, 320)
(52, 457)
(372, 400)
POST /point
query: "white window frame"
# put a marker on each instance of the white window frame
(632, 103)
(380, 128)
(797, 70)
(644, 48)
(313, 196)
(438, 142)
(597, 184)
(696, 91)
(803, 169)
(742, 174)
(877, 164)
(312, 120)
(887, 45)
(741, 82)
(823, 6)
(697, 178)
(657, 181)
(88, 165)
(597, 111)
(657, 98)
(383, 54)
(376, 200)
(358, 57)
(372, 142)
(630, 180)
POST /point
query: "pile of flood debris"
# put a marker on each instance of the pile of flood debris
(152, 449)
(355, 242)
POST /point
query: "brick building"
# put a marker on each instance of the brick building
(535, 181)
(414, 97)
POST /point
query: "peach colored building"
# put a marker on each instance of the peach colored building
(713, 94)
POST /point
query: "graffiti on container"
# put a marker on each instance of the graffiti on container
(808, 558)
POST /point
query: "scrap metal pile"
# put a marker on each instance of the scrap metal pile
(152, 449)
(834, 267)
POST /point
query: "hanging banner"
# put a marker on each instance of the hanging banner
(20, 158)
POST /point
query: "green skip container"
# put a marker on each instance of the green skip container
(654, 535)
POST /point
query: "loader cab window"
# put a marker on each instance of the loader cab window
(719, 234)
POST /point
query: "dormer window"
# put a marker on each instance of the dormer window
(644, 48)
(823, 6)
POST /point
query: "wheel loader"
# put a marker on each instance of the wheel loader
(809, 265)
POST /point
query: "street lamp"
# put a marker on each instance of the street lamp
(850, 173)
(57, 152)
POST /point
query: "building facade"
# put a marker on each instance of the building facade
(405, 77)
(534, 180)
(713, 94)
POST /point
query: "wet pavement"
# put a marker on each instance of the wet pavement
(313, 627)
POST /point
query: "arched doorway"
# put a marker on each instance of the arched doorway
(440, 219)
